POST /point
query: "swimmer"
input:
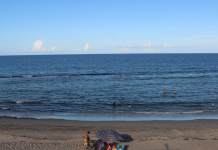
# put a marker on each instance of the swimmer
(164, 92)
(175, 92)
(114, 104)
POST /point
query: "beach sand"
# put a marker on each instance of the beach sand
(51, 134)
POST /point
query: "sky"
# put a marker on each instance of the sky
(37, 27)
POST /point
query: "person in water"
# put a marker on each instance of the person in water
(86, 140)
(175, 92)
(114, 104)
(164, 92)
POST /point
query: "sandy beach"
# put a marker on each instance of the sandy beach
(49, 134)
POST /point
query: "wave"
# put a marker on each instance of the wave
(59, 75)
(20, 102)
(123, 112)
(30, 76)
(126, 103)
(158, 103)
(21, 76)
(165, 75)
(7, 108)
(165, 113)
(184, 105)
(176, 112)
(150, 113)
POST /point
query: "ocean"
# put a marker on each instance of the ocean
(84, 87)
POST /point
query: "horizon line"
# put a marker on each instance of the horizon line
(103, 54)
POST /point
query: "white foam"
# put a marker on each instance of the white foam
(5, 108)
(191, 112)
(27, 76)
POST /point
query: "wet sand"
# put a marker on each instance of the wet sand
(51, 134)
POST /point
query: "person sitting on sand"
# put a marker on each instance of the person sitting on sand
(101, 145)
(86, 140)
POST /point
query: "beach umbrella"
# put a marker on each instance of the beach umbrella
(108, 135)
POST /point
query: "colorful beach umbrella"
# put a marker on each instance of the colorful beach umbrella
(108, 135)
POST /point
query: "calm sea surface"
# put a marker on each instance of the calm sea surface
(68, 86)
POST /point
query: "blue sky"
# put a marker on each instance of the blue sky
(30, 27)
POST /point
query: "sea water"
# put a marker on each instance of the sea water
(84, 87)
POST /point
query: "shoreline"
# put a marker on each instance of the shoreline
(67, 134)
(118, 116)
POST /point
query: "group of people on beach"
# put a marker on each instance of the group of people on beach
(101, 145)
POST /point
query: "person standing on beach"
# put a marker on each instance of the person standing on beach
(86, 140)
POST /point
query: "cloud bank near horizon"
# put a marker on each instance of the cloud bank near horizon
(38, 46)
(147, 46)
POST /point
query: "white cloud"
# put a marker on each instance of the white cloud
(86, 47)
(38, 46)
(147, 44)
(124, 49)
(53, 48)
(166, 45)
(146, 47)
(131, 46)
